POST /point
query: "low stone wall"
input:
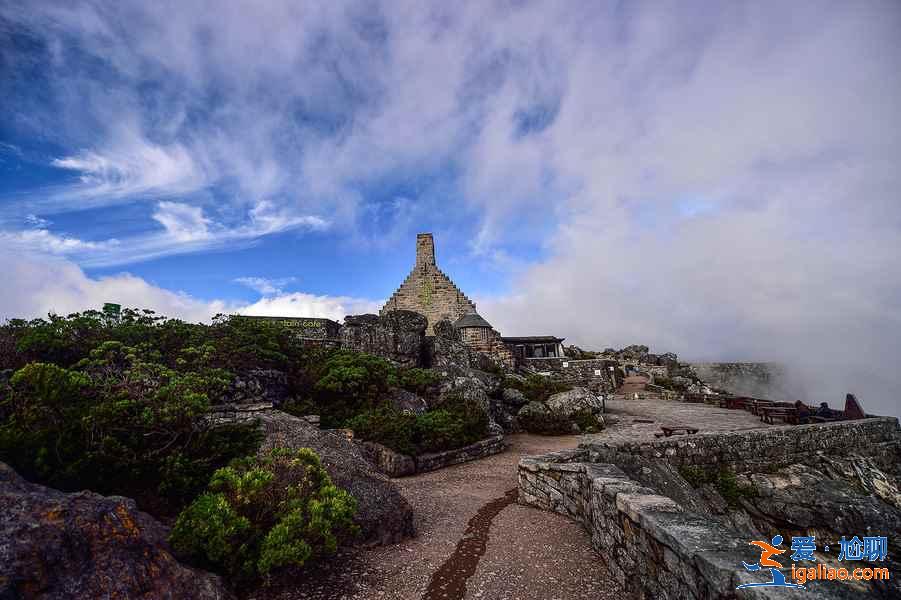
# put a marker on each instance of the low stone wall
(395, 464)
(481, 449)
(649, 544)
(591, 372)
(750, 449)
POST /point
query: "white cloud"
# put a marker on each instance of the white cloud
(264, 286)
(298, 304)
(38, 284)
(42, 240)
(183, 223)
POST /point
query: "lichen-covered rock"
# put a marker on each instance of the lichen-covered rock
(513, 398)
(406, 401)
(84, 545)
(532, 408)
(383, 514)
(575, 400)
(397, 335)
(387, 461)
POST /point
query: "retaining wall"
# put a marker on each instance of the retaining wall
(754, 448)
(650, 545)
(395, 464)
(592, 371)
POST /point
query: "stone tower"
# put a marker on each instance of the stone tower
(428, 291)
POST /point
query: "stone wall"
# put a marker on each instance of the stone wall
(428, 290)
(592, 373)
(754, 448)
(649, 544)
(395, 464)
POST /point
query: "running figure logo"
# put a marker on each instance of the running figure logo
(766, 562)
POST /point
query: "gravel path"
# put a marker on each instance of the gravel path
(468, 525)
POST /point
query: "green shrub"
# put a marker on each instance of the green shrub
(387, 426)
(261, 514)
(586, 420)
(351, 383)
(118, 424)
(418, 381)
(457, 423)
(537, 388)
(546, 423)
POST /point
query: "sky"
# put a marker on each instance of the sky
(719, 180)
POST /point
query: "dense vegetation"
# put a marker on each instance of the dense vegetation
(261, 514)
(458, 422)
(118, 404)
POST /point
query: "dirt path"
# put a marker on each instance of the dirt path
(473, 542)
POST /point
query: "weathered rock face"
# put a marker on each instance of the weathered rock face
(397, 335)
(482, 388)
(84, 545)
(513, 398)
(258, 386)
(575, 400)
(406, 401)
(387, 461)
(383, 514)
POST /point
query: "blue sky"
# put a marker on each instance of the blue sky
(714, 179)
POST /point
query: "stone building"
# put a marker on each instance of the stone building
(428, 290)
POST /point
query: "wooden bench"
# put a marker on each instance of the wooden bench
(787, 414)
(668, 431)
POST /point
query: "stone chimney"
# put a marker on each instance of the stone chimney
(425, 250)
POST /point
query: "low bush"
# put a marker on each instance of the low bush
(387, 426)
(116, 423)
(546, 423)
(263, 513)
(587, 421)
(457, 423)
(537, 388)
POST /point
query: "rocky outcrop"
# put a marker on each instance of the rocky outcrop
(387, 461)
(409, 402)
(84, 545)
(259, 386)
(397, 335)
(572, 401)
(383, 514)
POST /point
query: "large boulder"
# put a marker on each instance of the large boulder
(481, 388)
(383, 514)
(387, 461)
(398, 335)
(573, 401)
(84, 545)
(513, 398)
